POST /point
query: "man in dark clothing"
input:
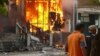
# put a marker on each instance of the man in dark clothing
(90, 37)
(95, 50)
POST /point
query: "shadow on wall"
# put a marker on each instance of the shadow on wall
(5, 25)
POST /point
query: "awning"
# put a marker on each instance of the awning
(89, 10)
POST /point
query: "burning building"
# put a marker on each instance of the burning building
(39, 15)
(44, 14)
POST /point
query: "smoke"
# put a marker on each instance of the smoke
(67, 6)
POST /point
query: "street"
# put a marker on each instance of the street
(47, 51)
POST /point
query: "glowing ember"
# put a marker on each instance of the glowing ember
(37, 12)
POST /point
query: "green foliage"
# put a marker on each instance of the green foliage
(3, 10)
(94, 2)
(3, 1)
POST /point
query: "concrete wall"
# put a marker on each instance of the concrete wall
(5, 25)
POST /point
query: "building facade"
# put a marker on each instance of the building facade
(16, 14)
(88, 14)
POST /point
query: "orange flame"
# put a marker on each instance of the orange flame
(37, 12)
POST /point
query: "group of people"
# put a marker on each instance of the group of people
(77, 44)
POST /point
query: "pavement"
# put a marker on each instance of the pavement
(47, 51)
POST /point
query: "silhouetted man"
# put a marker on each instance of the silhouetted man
(90, 37)
(95, 50)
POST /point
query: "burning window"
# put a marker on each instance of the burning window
(44, 14)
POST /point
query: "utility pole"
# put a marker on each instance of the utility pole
(76, 11)
(99, 19)
(75, 14)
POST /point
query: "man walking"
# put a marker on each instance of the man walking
(76, 42)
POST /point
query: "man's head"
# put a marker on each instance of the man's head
(92, 29)
(79, 27)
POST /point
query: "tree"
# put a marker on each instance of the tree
(3, 1)
(3, 10)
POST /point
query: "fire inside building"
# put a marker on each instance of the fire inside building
(44, 15)
(38, 20)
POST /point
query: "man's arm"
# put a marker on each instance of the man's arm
(83, 46)
(84, 52)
